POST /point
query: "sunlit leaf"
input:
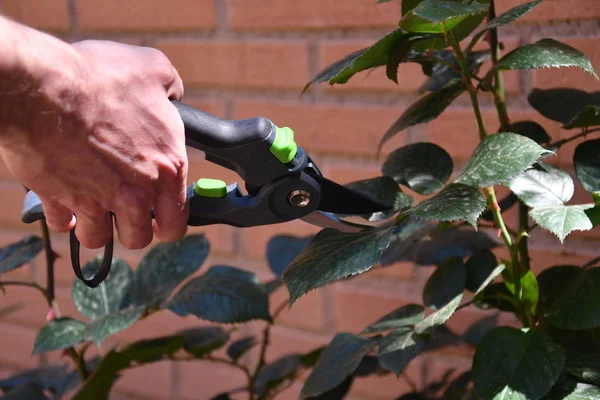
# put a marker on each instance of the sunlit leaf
(438, 317)
(59, 334)
(110, 324)
(385, 191)
(446, 282)
(561, 220)
(439, 16)
(407, 315)
(545, 186)
(399, 348)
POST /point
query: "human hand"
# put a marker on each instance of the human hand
(104, 138)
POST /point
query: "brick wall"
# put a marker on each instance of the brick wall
(242, 58)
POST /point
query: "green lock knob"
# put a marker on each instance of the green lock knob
(210, 188)
(284, 147)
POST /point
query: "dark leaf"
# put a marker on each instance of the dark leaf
(424, 110)
(439, 16)
(562, 220)
(223, 294)
(532, 130)
(334, 255)
(577, 305)
(569, 389)
(106, 298)
(73, 380)
(584, 364)
(282, 249)
(545, 53)
(201, 341)
(562, 104)
(442, 74)
(408, 5)
(222, 396)
(166, 266)
(505, 18)
(59, 334)
(155, 349)
(479, 329)
(413, 396)
(28, 390)
(272, 285)
(407, 315)
(446, 283)
(498, 158)
(433, 320)
(456, 202)
(399, 51)
(588, 116)
(48, 377)
(587, 164)
(545, 186)
(383, 190)
(272, 375)
(432, 248)
(496, 296)
(338, 361)
(17, 254)
(506, 358)
(337, 393)
(375, 56)
(368, 366)
(423, 167)
(458, 387)
(399, 348)
(481, 269)
(310, 359)
(110, 324)
(551, 281)
(240, 347)
(99, 384)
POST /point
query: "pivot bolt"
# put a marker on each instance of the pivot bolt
(299, 198)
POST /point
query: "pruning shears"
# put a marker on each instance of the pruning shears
(281, 181)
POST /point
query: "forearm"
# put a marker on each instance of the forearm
(36, 70)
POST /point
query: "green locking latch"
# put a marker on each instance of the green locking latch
(210, 188)
(284, 147)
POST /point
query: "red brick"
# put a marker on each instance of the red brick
(51, 15)
(276, 64)
(571, 77)
(410, 75)
(32, 306)
(204, 380)
(511, 78)
(16, 346)
(136, 380)
(308, 312)
(310, 14)
(336, 129)
(285, 341)
(542, 258)
(144, 15)
(388, 386)
(354, 309)
(554, 10)
(12, 202)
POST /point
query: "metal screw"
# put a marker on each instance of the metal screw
(299, 198)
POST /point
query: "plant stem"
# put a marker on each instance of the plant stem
(498, 87)
(558, 144)
(462, 61)
(27, 284)
(49, 262)
(523, 247)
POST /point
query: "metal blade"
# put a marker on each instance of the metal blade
(338, 199)
(326, 220)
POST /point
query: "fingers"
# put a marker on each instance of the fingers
(133, 217)
(58, 217)
(93, 229)
(175, 90)
(171, 208)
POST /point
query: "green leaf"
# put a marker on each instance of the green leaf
(311, 358)
(481, 269)
(399, 348)
(424, 110)
(339, 360)
(423, 167)
(505, 18)
(99, 384)
(149, 350)
(532, 130)
(584, 365)
(59, 334)
(455, 202)
(543, 187)
(107, 298)
(587, 164)
(383, 190)
(374, 56)
(499, 158)
(165, 267)
(240, 347)
(28, 390)
(562, 104)
(399, 51)
(407, 315)
(337, 393)
(577, 306)
(408, 5)
(513, 365)
(439, 16)
(530, 291)
(447, 71)
(282, 249)
(334, 255)
(274, 374)
(561, 220)
(497, 296)
(110, 324)
(446, 282)
(588, 116)
(438, 317)
(223, 294)
(201, 341)
(17, 254)
(583, 391)
(545, 53)
(551, 281)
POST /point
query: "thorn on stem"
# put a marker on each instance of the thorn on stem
(51, 315)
